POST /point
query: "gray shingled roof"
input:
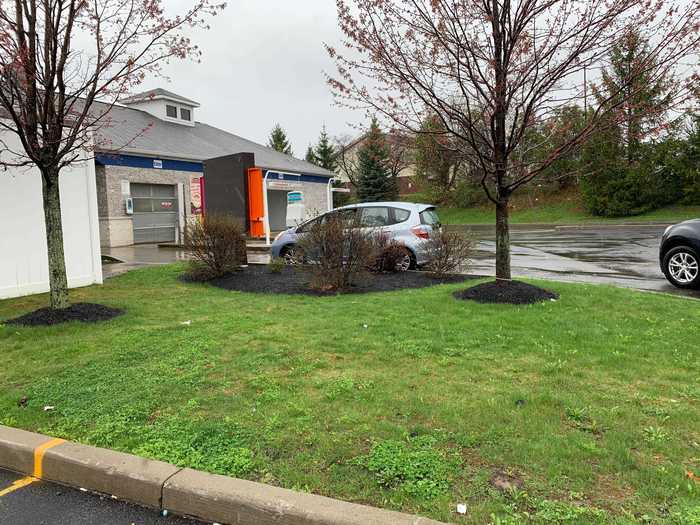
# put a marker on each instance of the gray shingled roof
(136, 132)
(158, 93)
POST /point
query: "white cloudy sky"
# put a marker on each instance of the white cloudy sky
(263, 63)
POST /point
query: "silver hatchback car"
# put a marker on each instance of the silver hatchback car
(404, 223)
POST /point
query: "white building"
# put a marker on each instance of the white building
(23, 253)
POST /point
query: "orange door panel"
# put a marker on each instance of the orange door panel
(256, 206)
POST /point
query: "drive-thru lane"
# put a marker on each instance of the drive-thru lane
(42, 503)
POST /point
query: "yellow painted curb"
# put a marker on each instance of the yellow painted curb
(39, 456)
(38, 467)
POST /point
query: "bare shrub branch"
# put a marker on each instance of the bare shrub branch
(449, 251)
(338, 250)
(217, 246)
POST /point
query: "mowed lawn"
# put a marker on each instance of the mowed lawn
(588, 406)
(562, 212)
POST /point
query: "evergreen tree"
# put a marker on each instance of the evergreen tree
(629, 170)
(278, 140)
(646, 99)
(310, 155)
(374, 180)
(691, 162)
(325, 153)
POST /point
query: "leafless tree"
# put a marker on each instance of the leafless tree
(63, 65)
(493, 70)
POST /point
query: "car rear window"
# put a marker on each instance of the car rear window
(430, 217)
(401, 215)
(375, 217)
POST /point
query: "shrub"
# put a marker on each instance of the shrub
(617, 188)
(340, 251)
(624, 191)
(277, 264)
(216, 245)
(448, 251)
(390, 255)
(467, 193)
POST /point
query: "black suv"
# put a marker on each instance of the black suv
(680, 254)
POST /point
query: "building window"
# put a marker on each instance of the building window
(185, 114)
(171, 111)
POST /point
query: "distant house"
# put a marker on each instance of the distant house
(151, 159)
(401, 162)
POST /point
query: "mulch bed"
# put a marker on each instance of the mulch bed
(259, 279)
(506, 292)
(84, 312)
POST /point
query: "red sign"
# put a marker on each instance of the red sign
(197, 195)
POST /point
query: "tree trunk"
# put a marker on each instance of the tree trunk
(58, 281)
(502, 240)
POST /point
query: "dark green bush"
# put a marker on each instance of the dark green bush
(467, 193)
(619, 189)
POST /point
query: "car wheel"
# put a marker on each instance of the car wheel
(682, 267)
(404, 260)
(292, 255)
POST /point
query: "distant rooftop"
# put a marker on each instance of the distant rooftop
(130, 130)
(158, 93)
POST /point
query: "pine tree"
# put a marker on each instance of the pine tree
(310, 155)
(278, 140)
(625, 174)
(325, 153)
(646, 99)
(374, 180)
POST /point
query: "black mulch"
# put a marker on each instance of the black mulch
(85, 312)
(259, 279)
(507, 292)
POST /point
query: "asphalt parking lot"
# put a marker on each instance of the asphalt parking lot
(619, 255)
(42, 503)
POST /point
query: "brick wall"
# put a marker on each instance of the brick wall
(116, 228)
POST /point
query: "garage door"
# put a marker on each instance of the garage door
(155, 212)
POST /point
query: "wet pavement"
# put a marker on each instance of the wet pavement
(622, 255)
(144, 255)
(43, 503)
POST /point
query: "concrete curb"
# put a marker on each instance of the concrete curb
(188, 492)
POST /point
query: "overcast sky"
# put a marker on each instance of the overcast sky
(263, 63)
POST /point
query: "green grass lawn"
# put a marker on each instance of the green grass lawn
(407, 400)
(561, 213)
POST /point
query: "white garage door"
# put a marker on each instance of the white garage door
(155, 212)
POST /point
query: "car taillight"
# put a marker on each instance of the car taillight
(421, 231)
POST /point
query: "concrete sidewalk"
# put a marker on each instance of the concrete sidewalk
(145, 255)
